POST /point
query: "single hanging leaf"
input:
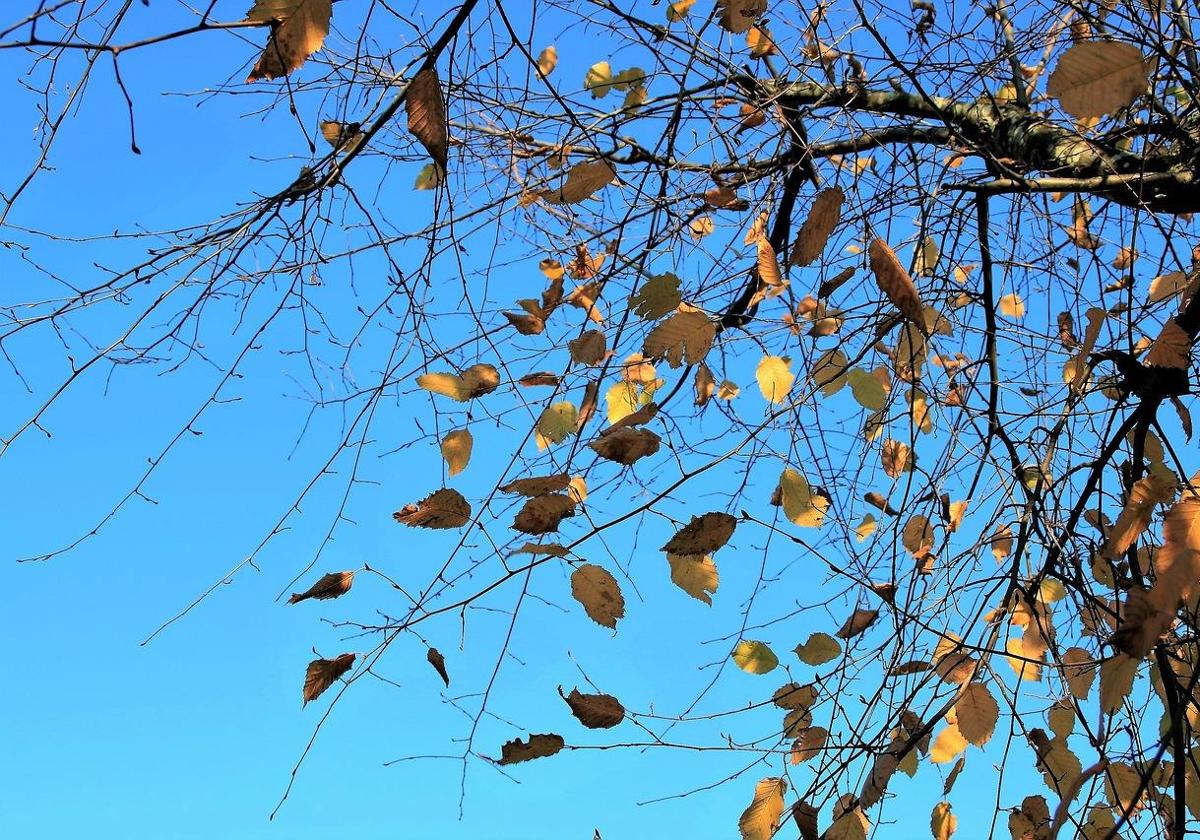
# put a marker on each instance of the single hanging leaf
(754, 657)
(685, 336)
(704, 384)
(547, 60)
(542, 514)
(867, 389)
(794, 696)
(1172, 348)
(738, 16)
(703, 534)
(893, 281)
(439, 664)
(556, 424)
(857, 623)
(808, 744)
(977, 713)
(896, 458)
(332, 585)
(598, 592)
(761, 818)
(865, 528)
(800, 505)
(538, 746)
(775, 378)
(1011, 306)
(445, 508)
(1116, 681)
(819, 649)
(947, 746)
(589, 349)
(1146, 493)
(583, 181)
(656, 297)
(695, 574)
(595, 711)
(1095, 78)
(539, 486)
(322, 673)
(456, 449)
(427, 115)
(822, 220)
(298, 29)
(626, 445)
(942, 822)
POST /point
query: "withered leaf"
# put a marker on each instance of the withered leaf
(597, 590)
(445, 508)
(538, 486)
(894, 281)
(589, 348)
(439, 664)
(298, 29)
(543, 514)
(427, 114)
(761, 818)
(685, 336)
(625, 445)
(331, 585)
(695, 574)
(703, 534)
(857, 623)
(538, 746)
(822, 220)
(595, 711)
(322, 673)
(541, 378)
(583, 181)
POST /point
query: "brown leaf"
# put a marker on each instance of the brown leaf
(298, 29)
(739, 15)
(322, 673)
(542, 514)
(427, 115)
(595, 711)
(538, 486)
(625, 446)
(977, 712)
(538, 746)
(857, 623)
(894, 281)
(1171, 348)
(332, 585)
(685, 336)
(589, 348)
(896, 458)
(456, 450)
(445, 508)
(704, 384)
(703, 535)
(541, 378)
(439, 664)
(598, 591)
(1094, 78)
(583, 181)
(832, 285)
(822, 220)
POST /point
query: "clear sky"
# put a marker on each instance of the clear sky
(195, 734)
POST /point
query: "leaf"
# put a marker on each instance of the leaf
(547, 60)
(679, 9)
(589, 349)
(556, 423)
(819, 649)
(476, 381)
(332, 585)
(768, 265)
(456, 449)
(445, 508)
(625, 445)
(598, 592)
(822, 220)
(830, 372)
(1134, 519)
(942, 822)
(1078, 671)
(927, 257)
(439, 664)
(656, 297)
(685, 336)
(775, 378)
(542, 514)
(977, 713)
(538, 746)
(738, 16)
(794, 696)
(1172, 347)
(1011, 306)
(1116, 681)
(322, 673)
(754, 657)
(704, 384)
(857, 623)
(583, 181)
(865, 528)
(695, 574)
(298, 29)
(429, 178)
(761, 818)
(918, 536)
(808, 744)
(896, 458)
(595, 711)
(867, 389)
(538, 486)
(948, 745)
(1095, 78)
(427, 115)
(1167, 286)
(703, 534)
(800, 505)
(893, 281)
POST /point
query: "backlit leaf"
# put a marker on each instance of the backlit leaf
(597, 590)
(322, 673)
(819, 649)
(761, 818)
(445, 508)
(332, 585)
(695, 574)
(456, 449)
(538, 746)
(1095, 78)
(775, 378)
(299, 31)
(754, 657)
(427, 114)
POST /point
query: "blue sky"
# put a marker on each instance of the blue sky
(194, 735)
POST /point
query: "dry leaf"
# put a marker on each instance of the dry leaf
(685, 336)
(589, 349)
(538, 746)
(595, 711)
(543, 514)
(538, 486)
(332, 585)
(702, 535)
(857, 623)
(819, 649)
(598, 592)
(439, 664)
(322, 673)
(626, 445)
(1095, 78)
(695, 574)
(583, 181)
(761, 818)
(547, 60)
(822, 220)
(298, 29)
(754, 657)
(456, 449)
(445, 508)
(427, 115)
(1172, 347)
(896, 458)
(977, 713)
(894, 281)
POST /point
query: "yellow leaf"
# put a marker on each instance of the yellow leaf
(942, 822)
(865, 528)
(547, 60)
(947, 745)
(775, 378)
(556, 424)
(819, 649)
(1012, 306)
(298, 30)
(977, 713)
(622, 400)
(456, 449)
(597, 590)
(754, 657)
(760, 820)
(679, 9)
(800, 505)
(599, 79)
(695, 574)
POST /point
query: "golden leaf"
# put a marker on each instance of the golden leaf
(942, 822)
(695, 574)
(760, 820)
(1116, 681)
(947, 745)
(1147, 492)
(896, 458)
(801, 506)
(754, 657)
(775, 378)
(1011, 306)
(456, 449)
(685, 336)
(598, 592)
(298, 29)
(977, 713)
(583, 181)
(819, 649)
(547, 60)
(556, 423)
